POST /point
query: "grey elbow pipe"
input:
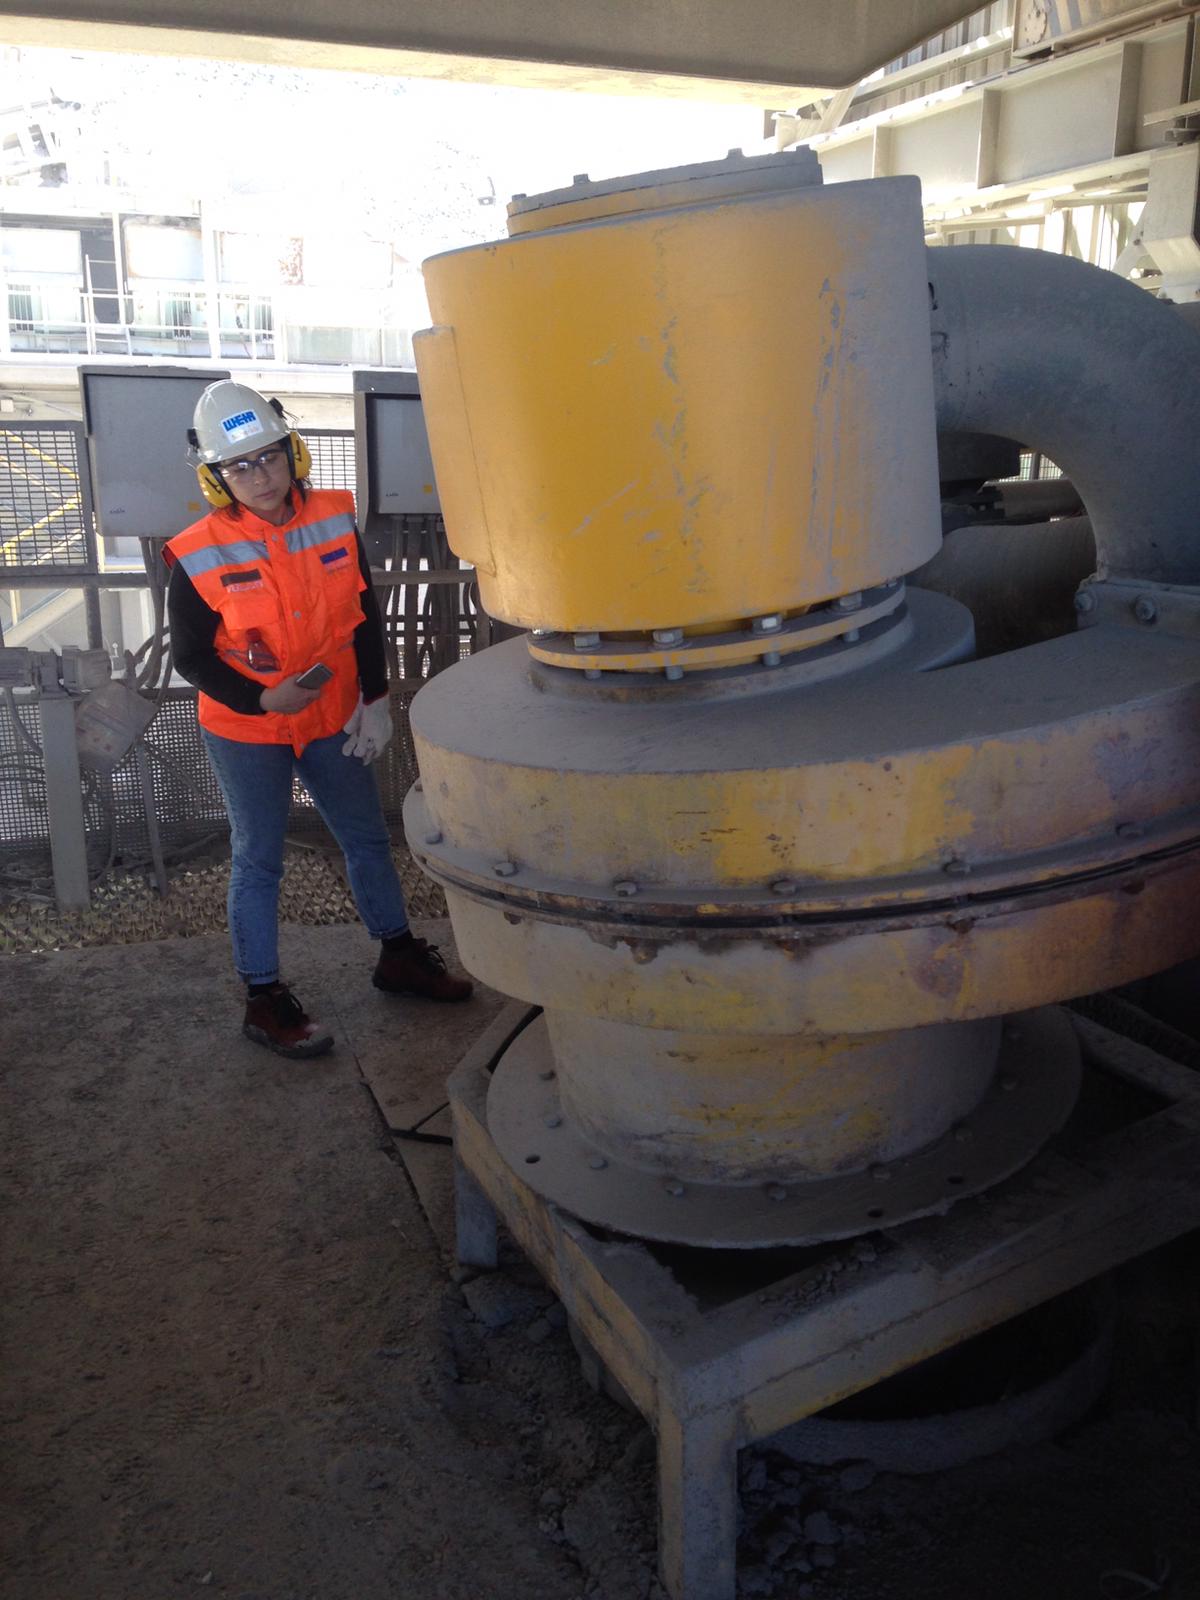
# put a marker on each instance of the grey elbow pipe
(1082, 365)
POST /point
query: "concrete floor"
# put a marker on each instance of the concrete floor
(235, 1359)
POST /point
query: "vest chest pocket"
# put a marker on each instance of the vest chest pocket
(253, 627)
(338, 583)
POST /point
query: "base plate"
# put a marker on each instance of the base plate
(1035, 1086)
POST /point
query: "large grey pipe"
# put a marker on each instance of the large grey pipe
(1092, 371)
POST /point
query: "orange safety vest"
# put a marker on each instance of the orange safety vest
(287, 598)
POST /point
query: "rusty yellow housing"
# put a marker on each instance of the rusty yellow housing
(742, 814)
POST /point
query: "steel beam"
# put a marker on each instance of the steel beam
(700, 48)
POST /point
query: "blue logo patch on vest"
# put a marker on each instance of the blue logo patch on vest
(331, 556)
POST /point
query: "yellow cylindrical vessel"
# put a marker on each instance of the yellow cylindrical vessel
(669, 418)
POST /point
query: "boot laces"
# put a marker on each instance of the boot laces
(285, 1008)
(429, 956)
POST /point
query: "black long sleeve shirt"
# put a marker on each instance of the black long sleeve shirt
(194, 630)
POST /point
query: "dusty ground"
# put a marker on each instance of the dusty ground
(235, 1360)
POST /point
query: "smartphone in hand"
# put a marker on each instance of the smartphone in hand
(313, 677)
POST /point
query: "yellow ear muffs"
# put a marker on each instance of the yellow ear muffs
(301, 457)
(212, 487)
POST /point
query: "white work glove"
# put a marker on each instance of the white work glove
(370, 728)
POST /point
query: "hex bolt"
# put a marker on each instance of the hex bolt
(581, 177)
(850, 636)
(771, 623)
(893, 583)
(434, 836)
(1145, 609)
(592, 673)
(956, 867)
(597, 1163)
(667, 635)
(784, 886)
(504, 869)
(1130, 830)
(849, 602)
(674, 1187)
(418, 787)
(673, 674)
(625, 887)
(771, 658)
(553, 1121)
(776, 1191)
(542, 633)
(1085, 601)
(881, 1174)
(586, 641)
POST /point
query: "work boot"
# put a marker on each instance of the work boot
(277, 1019)
(417, 968)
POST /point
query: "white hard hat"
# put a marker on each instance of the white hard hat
(231, 420)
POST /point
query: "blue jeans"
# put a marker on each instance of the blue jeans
(256, 781)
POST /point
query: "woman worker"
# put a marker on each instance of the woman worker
(274, 620)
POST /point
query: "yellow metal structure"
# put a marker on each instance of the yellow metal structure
(743, 815)
(629, 436)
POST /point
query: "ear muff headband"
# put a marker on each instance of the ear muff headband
(215, 490)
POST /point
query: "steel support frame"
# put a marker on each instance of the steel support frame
(712, 1381)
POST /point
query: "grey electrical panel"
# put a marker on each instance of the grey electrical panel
(137, 420)
(395, 468)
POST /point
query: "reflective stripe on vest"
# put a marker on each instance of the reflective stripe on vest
(223, 555)
(316, 533)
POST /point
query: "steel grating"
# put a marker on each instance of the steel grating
(43, 505)
(332, 451)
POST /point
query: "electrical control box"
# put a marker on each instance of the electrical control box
(395, 468)
(137, 420)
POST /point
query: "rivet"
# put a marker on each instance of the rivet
(1145, 609)
(597, 1163)
(673, 674)
(771, 623)
(1085, 601)
(1130, 830)
(849, 602)
(776, 1191)
(771, 658)
(433, 836)
(586, 641)
(504, 869)
(625, 887)
(963, 1132)
(553, 1121)
(1008, 1081)
(881, 1174)
(546, 1074)
(850, 636)
(674, 1187)
(784, 886)
(956, 867)
(667, 635)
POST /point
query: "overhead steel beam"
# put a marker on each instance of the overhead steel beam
(698, 48)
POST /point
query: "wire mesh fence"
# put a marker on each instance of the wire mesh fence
(43, 505)
(333, 457)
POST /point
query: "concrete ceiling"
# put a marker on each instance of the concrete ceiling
(758, 51)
